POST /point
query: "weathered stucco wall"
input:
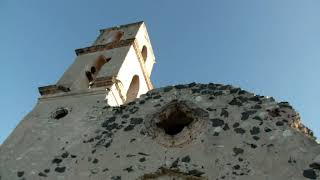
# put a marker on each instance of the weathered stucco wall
(193, 131)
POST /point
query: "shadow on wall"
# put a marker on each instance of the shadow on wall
(133, 90)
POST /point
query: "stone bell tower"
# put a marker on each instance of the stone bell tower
(118, 64)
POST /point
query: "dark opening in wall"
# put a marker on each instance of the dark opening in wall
(60, 113)
(144, 53)
(175, 122)
(96, 66)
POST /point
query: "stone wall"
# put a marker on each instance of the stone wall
(192, 131)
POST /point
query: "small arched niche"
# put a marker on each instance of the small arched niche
(114, 36)
(133, 89)
(93, 70)
(144, 53)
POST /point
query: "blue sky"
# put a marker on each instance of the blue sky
(269, 47)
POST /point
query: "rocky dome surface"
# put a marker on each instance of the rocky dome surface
(193, 131)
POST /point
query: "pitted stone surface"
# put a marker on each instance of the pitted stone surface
(238, 136)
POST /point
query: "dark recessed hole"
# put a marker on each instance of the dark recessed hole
(93, 69)
(175, 121)
(89, 76)
(60, 113)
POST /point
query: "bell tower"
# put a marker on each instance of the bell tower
(118, 64)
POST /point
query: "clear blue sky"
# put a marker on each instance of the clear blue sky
(269, 47)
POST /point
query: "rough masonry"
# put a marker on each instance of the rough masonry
(221, 132)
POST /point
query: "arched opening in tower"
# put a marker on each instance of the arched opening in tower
(114, 36)
(96, 66)
(144, 53)
(133, 90)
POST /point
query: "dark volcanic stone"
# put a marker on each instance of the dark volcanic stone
(257, 106)
(210, 109)
(129, 169)
(267, 129)
(167, 89)
(235, 102)
(56, 161)
(95, 161)
(226, 127)
(256, 138)
(125, 116)
(143, 159)
(192, 84)
(134, 109)
(175, 163)
(315, 166)
(310, 173)
(235, 125)
(112, 126)
(60, 169)
(284, 105)
(20, 173)
(116, 178)
(136, 120)
(279, 123)
(224, 113)
(143, 154)
(239, 130)
(255, 131)
(238, 151)
(180, 86)
(274, 112)
(186, 159)
(142, 102)
(236, 167)
(65, 154)
(108, 121)
(217, 122)
(195, 172)
(246, 114)
(235, 90)
(255, 98)
(42, 174)
(253, 146)
(195, 91)
(257, 118)
(129, 127)
(156, 97)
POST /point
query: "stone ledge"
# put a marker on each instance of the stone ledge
(102, 81)
(103, 47)
(52, 89)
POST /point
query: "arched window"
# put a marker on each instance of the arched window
(133, 90)
(114, 36)
(94, 69)
(98, 63)
(144, 53)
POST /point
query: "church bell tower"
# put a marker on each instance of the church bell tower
(118, 64)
